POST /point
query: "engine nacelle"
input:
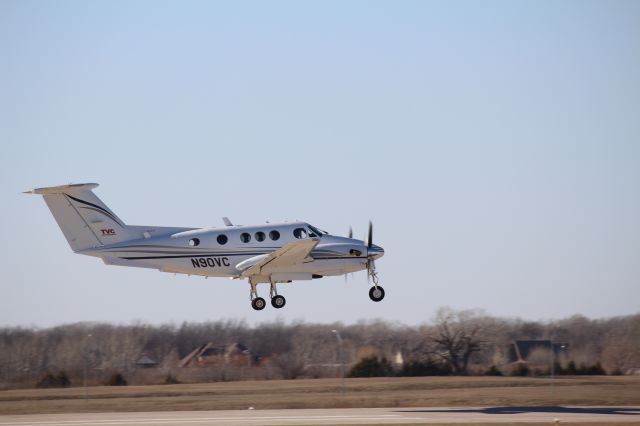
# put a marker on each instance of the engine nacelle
(340, 250)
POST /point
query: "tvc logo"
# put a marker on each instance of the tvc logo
(109, 231)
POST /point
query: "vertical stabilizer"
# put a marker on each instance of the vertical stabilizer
(84, 219)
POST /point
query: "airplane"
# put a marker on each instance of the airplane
(270, 253)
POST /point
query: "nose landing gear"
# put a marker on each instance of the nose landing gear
(376, 293)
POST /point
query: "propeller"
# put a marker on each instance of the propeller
(371, 266)
(350, 235)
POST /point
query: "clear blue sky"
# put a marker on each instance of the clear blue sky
(495, 145)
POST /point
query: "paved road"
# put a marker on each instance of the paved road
(344, 416)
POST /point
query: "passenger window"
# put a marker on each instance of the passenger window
(300, 233)
(194, 242)
(260, 236)
(245, 238)
(274, 235)
(222, 239)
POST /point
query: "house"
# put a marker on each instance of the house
(146, 362)
(210, 354)
(520, 350)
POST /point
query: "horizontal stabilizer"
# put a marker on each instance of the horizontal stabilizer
(61, 189)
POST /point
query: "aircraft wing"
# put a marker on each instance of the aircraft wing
(288, 255)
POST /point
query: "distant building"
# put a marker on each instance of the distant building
(398, 360)
(146, 362)
(210, 354)
(520, 350)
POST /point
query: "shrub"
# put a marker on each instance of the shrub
(424, 368)
(593, 370)
(372, 367)
(597, 370)
(171, 380)
(557, 369)
(493, 371)
(49, 380)
(571, 369)
(116, 379)
(519, 370)
(539, 372)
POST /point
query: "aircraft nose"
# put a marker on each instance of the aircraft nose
(375, 251)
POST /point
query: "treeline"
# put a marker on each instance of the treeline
(455, 342)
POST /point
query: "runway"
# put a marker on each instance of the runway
(343, 416)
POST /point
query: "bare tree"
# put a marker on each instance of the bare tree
(457, 337)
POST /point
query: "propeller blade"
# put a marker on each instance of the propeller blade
(370, 236)
(350, 232)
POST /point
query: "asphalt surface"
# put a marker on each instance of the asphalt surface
(343, 416)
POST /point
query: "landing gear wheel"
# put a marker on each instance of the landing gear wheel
(376, 293)
(278, 301)
(258, 303)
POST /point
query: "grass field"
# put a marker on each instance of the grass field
(327, 393)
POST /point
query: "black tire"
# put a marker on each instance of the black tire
(376, 293)
(278, 301)
(258, 303)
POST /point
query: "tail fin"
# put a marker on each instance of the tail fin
(84, 219)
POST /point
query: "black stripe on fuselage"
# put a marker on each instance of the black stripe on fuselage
(185, 256)
(161, 246)
(225, 255)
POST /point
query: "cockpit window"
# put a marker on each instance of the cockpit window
(300, 233)
(316, 231)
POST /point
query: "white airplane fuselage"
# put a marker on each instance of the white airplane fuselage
(178, 252)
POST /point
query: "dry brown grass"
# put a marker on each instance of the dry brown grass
(326, 393)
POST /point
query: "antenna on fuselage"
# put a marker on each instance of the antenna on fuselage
(226, 221)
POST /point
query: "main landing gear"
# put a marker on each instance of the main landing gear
(258, 303)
